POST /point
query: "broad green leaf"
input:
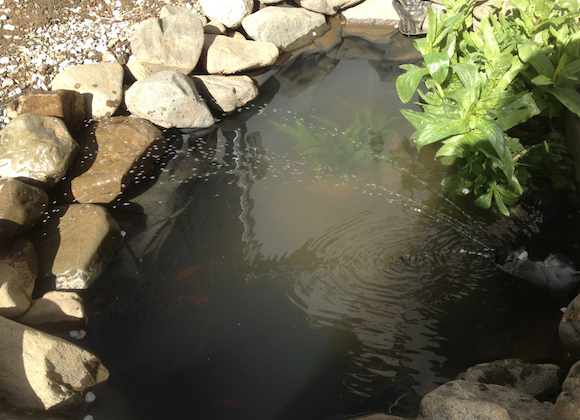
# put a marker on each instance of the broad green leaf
(447, 26)
(484, 200)
(408, 82)
(542, 63)
(440, 130)
(432, 20)
(527, 49)
(438, 65)
(497, 200)
(570, 71)
(569, 97)
(494, 134)
(516, 109)
(422, 45)
(491, 47)
(471, 79)
(419, 120)
(542, 80)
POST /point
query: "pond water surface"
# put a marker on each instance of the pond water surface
(302, 276)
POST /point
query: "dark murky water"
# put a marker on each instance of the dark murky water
(292, 280)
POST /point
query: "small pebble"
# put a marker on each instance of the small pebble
(90, 397)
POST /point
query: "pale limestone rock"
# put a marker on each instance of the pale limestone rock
(21, 206)
(36, 147)
(327, 7)
(567, 405)
(117, 153)
(214, 28)
(177, 10)
(55, 312)
(226, 55)
(229, 12)
(226, 93)
(168, 99)
(289, 28)
(173, 42)
(371, 12)
(101, 85)
(18, 269)
(67, 105)
(540, 381)
(464, 400)
(136, 69)
(40, 372)
(75, 244)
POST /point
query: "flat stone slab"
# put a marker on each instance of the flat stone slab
(229, 12)
(226, 93)
(225, 55)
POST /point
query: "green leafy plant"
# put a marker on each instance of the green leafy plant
(329, 145)
(481, 83)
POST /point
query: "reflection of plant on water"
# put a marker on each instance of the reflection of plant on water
(332, 146)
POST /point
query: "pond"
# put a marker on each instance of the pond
(304, 264)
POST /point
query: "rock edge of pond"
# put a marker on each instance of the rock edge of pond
(60, 177)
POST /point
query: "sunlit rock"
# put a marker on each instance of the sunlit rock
(229, 12)
(225, 55)
(40, 372)
(55, 312)
(214, 28)
(36, 147)
(539, 381)
(74, 245)
(67, 105)
(327, 7)
(567, 405)
(226, 93)
(18, 268)
(172, 42)
(116, 154)
(288, 28)
(371, 12)
(169, 10)
(569, 328)
(21, 205)
(136, 69)
(168, 99)
(464, 400)
(101, 85)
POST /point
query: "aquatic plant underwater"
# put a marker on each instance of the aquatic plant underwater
(518, 63)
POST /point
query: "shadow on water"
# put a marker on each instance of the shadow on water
(266, 277)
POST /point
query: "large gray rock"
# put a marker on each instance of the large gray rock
(116, 154)
(229, 12)
(327, 7)
(371, 12)
(173, 42)
(40, 372)
(225, 55)
(55, 312)
(67, 105)
(567, 405)
(464, 400)
(226, 93)
(539, 381)
(169, 99)
(74, 245)
(289, 28)
(36, 147)
(178, 10)
(101, 85)
(18, 269)
(21, 206)
(569, 328)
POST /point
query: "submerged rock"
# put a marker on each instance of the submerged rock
(116, 154)
(569, 329)
(36, 147)
(101, 85)
(288, 28)
(18, 269)
(21, 206)
(41, 372)
(169, 99)
(74, 245)
(464, 400)
(173, 42)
